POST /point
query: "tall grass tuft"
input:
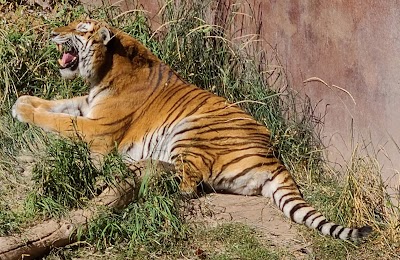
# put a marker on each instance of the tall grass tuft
(152, 224)
(63, 178)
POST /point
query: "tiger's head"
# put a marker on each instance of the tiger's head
(83, 47)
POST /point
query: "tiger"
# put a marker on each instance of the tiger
(139, 105)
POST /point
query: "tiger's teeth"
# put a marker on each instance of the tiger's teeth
(61, 62)
(59, 47)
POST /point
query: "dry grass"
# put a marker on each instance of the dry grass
(356, 196)
(364, 199)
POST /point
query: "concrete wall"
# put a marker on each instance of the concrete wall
(352, 44)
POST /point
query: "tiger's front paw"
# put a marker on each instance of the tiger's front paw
(23, 110)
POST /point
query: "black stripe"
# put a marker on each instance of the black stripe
(170, 74)
(79, 40)
(287, 177)
(353, 233)
(277, 171)
(237, 141)
(160, 74)
(144, 137)
(193, 128)
(245, 126)
(309, 214)
(153, 134)
(187, 98)
(230, 137)
(149, 77)
(121, 120)
(316, 216)
(293, 193)
(219, 120)
(202, 103)
(237, 175)
(171, 84)
(183, 102)
(245, 171)
(122, 132)
(80, 111)
(340, 232)
(250, 147)
(144, 142)
(222, 129)
(289, 200)
(166, 96)
(333, 228)
(323, 222)
(206, 161)
(280, 188)
(198, 146)
(296, 208)
(193, 111)
(160, 96)
(237, 159)
(220, 116)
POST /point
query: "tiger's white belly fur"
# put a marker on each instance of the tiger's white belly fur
(153, 146)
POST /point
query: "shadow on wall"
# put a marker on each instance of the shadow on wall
(353, 46)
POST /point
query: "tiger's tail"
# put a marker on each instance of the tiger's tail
(286, 195)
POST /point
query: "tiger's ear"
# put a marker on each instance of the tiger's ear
(105, 34)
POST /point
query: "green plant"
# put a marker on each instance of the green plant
(152, 224)
(64, 178)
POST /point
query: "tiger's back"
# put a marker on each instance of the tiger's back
(143, 106)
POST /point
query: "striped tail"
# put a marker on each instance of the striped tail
(286, 195)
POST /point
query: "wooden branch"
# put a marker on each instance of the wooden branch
(38, 240)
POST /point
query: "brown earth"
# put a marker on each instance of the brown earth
(212, 209)
(257, 212)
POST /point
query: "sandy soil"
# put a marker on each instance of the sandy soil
(257, 212)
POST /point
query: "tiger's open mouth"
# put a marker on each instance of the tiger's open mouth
(69, 59)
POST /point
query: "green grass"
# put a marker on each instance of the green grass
(236, 241)
(61, 175)
(63, 179)
(153, 224)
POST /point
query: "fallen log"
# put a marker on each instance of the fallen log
(40, 239)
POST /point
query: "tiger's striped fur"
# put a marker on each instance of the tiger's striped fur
(140, 104)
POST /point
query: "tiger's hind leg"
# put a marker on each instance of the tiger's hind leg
(191, 171)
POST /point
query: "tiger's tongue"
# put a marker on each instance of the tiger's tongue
(66, 58)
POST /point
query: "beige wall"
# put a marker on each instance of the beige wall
(352, 44)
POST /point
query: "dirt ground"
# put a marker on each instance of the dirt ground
(257, 212)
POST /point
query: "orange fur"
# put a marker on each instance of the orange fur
(139, 104)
